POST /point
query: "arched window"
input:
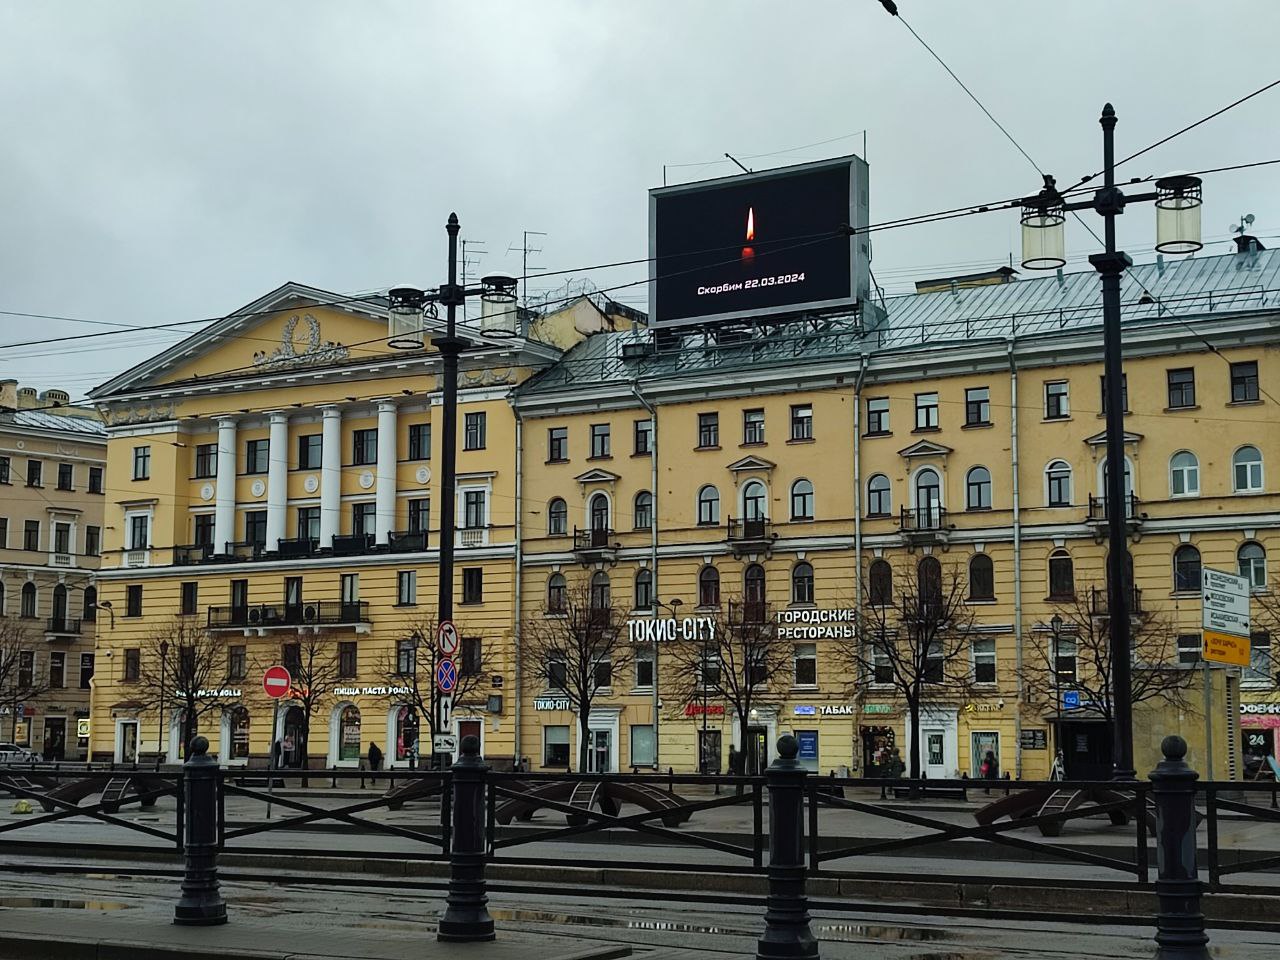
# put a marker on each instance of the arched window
(1246, 470)
(928, 493)
(929, 585)
(802, 500)
(878, 501)
(1252, 559)
(600, 590)
(643, 513)
(709, 587)
(90, 604)
(238, 725)
(708, 506)
(557, 593)
(349, 733)
(28, 599)
(977, 489)
(599, 512)
(754, 501)
(557, 518)
(880, 582)
(644, 590)
(1184, 474)
(1186, 569)
(753, 594)
(802, 583)
(982, 578)
(1103, 472)
(1058, 482)
(1062, 576)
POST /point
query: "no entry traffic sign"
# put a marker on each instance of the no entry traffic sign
(447, 636)
(446, 676)
(275, 681)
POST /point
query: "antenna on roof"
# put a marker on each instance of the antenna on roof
(740, 166)
(525, 250)
(1243, 226)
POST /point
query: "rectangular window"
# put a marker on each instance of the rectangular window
(934, 663)
(926, 411)
(92, 541)
(256, 456)
(599, 440)
(239, 594)
(62, 538)
(139, 532)
(26, 669)
(142, 463)
(1124, 392)
(1188, 649)
(133, 600)
(308, 523)
(255, 527)
(473, 585)
(309, 447)
(642, 745)
(557, 674)
(557, 444)
(4, 472)
(202, 524)
(708, 430)
(419, 441)
(471, 661)
(644, 668)
(206, 460)
(419, 515)
(346, 658)
(877, 415)
(710, 664)
(977, 406)
(95, 477)
(65, 472)
(364, 446)
(602, 674)
(406, 657)
(474, 432)
(555, 746)
(31, 535)
(1182, 387)
(86, 670)
(58, 669)
(643, 433)
(4, 536)
(190, 589)
(802, 422)
(132, 663)
(1260, 669)
(291, 658)
(806, 662)
(407, 588)
(35, 473)
(237, 662)
(348, 588)
(984, 660)
(1064, 659)
(752, 426)
(1244, 381)
(1057, 404)
(363, 519)
(473, 509)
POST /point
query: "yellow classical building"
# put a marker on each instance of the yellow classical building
(271, 479)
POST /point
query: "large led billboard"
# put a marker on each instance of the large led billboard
(760, 243)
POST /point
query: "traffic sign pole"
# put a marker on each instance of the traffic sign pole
(276, 682)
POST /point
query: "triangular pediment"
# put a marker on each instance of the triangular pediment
(1100, 439)
(750, 463)
(596, 476)
(924, 448)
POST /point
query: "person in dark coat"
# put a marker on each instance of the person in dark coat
(277, 752)
(375, 760)
(989, 769)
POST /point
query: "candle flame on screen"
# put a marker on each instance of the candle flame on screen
(751, 223)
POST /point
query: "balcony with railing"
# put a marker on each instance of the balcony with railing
(407, 541)
(1100, 603)
(190, 554)
(309, 613)
(927, 524)
(471, 536)
(243, 551)
(294, 548)
(1098, 513)
(594, 543)
(353, 545)
(749, 534)
(62, 627)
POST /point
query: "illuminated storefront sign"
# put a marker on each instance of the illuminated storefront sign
(372, 691)
(669, 629)
(817, 624)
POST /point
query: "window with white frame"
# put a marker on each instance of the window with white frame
(557, 518)
(1058, 482)
(926, 411)
(406, 587)
(642, 515)
(1184, 474)
(806, 664)
(644, 666)
(1188, 649)
(878, 497)
(1252, 561)
(802, 500)
(1246, 470)
(708, 506)
(984, 660)
(977, 486)
(1057, 404)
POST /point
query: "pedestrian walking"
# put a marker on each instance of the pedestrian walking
(375, 760)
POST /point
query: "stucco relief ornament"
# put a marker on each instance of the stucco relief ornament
(206, 492)
(288, 354)
(424, 474)
(141, 413)
(311, 484)
(258, 488)
(366, 480)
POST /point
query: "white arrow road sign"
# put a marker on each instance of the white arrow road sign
(446, 711)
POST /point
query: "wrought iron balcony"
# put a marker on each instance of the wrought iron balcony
(192, 553)
(63, 626)
(407, 541)
(1100, 605)
(753, 530)
(309, 613)
(594, 542)
(1098, 508)
(291, 548)
(353, 545)
(244, 550)
(920, 525)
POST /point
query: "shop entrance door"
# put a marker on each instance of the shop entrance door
(127, 741)
(293, 744)
(933, 754)
(757, 750)
(55, 738)
(1258, 746)
(471, 728)
(600, 749)
(709, 751)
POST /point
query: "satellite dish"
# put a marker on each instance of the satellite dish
(1248, 219)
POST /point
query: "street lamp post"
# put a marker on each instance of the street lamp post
(1056, 626)
(1177, 198)
(161, 749)
(406, 328)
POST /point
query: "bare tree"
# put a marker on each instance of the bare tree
(736, 659)
(578, 645)
(1083, 661)
(1265, 618)
(184, 666)
(314, 670)
(409, 671)
(18, 680)
(915, 641)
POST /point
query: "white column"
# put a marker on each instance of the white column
(224, 517)
(330, 476)
(277, 478)
(385, 506)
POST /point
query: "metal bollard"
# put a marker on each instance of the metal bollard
(786, 917)
(466, 917)
(1180, 933)
(201, 904)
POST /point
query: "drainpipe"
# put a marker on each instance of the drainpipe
(1017, 556)
(857, 530)
(653, 549)
(519, 578)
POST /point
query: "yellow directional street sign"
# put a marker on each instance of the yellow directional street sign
(1225, 605)
(1226, 648)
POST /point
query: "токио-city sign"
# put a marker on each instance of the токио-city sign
(552, 703)
(817, 624)
(669, 629)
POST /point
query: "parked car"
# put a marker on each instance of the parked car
(12, 753)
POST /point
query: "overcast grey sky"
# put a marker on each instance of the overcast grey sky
(166, 161)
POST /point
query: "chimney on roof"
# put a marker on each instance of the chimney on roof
(1245, 243)
(985, 279)
(27, 398)
(8, 394)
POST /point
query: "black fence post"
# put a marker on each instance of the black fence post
(1180, 933)
(201, 904)
(466, 917)
(786, 917)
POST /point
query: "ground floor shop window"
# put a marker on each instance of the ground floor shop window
(709, 751)
(878, 746)
(349, 734)
(1259, 749)
(983, 742)
(239, 733)
(642, 745)
(555, 746)
(406, 733)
